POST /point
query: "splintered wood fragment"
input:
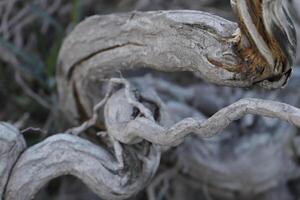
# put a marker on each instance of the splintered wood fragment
(268, 42)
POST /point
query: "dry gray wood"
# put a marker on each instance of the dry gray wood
(166, 41)
(64, 154)
(122, 175)
(195, 41)
(128, 131)
(235, 172)
(138, 123)
(162, 40)
(12, 144)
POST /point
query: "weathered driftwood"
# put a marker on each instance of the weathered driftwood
(163, 41)
(12, 144)
(64, 154)
(121, 175)
(212, 48)
(254, 165)
(251, 159)
(145, 128)
(207, 45)
(139, 125)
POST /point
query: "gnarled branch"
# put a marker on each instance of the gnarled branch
(162, 40)
(144, 128)
(64, 154)
(211, 47)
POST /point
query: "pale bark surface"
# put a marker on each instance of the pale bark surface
(11, 146)
(149, 109)
(163, 40)
(64, 154)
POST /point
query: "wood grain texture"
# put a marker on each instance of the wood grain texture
(64, 154)
(12, 144)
